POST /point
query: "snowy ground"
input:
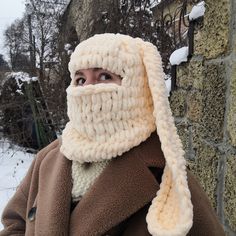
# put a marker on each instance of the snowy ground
(14, 162)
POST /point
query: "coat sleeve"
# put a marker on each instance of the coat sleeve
(14, 214)
(205, 220)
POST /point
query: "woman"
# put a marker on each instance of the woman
(109, 174)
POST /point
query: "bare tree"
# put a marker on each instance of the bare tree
(32, 47)
(16, 46)
(44, 23)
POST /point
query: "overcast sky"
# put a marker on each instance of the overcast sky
(9, 11)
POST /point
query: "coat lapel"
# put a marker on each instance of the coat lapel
(125, 186)
(54, 197)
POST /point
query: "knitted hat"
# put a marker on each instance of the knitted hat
(107, 120)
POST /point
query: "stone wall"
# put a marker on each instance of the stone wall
(86, 17)
(204, 106)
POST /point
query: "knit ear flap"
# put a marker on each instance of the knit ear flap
(171, 211)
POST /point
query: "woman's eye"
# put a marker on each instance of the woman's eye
(105, 76)
(80, 81)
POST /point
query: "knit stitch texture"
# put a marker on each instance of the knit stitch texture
(107, 120)
(83, 176)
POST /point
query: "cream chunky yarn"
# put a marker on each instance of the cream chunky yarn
(107, 120)
(84, 176)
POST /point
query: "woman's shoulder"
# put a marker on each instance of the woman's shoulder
(46, 152)
(48, 160)
(150, 153)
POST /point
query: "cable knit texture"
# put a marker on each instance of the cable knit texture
(107, 120)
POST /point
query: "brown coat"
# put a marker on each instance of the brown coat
(115, 205)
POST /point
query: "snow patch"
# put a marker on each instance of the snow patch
(21, 77)
(14, 163)
(168, 83)
(67, 46)
(19, 91)
(197, 11)
(154, 3)
(178, 56)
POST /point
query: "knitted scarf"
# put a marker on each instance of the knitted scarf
(106, 120)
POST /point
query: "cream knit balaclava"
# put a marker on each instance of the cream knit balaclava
(107, 120)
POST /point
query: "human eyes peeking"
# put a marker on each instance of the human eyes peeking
(100, 78)
(105, 76)
(95, 76)
(80, 81)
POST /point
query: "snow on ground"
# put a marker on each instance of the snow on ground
(14, 163)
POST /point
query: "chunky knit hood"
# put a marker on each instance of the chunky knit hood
(107, 120)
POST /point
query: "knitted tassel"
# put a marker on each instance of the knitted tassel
(171, 212)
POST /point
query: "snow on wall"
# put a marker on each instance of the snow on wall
(178, 56)
(197, 11)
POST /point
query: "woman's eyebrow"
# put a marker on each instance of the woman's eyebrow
(79, 73)
(96, 69)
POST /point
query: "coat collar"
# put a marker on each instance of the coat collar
(124, 187)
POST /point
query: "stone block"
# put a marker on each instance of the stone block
(213, 39)
(213, 101)
(234, 43)
(231, 115)
(230, 192)
(205, 165)
(182, 75)
(191, 75)
(195, 106)
(88, 19)
(183, 132)
(178, 102)
(196, 71)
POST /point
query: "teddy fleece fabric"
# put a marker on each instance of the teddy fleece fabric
(116, 204)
